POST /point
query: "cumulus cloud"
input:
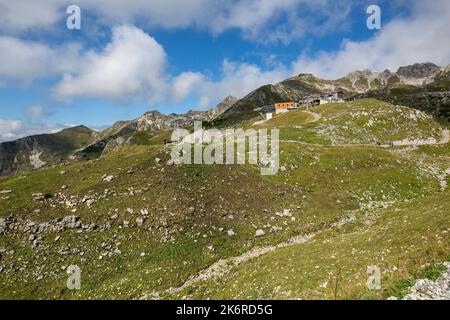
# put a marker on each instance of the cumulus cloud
(15, 129)
(185, 84)
(259, 20)
(25, 61)
(270, 21)
(133, 63)
(423, 37)
(28, 14)
(237, 79)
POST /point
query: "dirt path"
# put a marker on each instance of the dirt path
(445, 138)
(316, 116)
(224, 266)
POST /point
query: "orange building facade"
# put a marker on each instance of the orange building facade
(283, 107)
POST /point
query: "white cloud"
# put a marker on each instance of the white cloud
(15, 129)
(424, 37)
(185, 84)
(238, 79)
(28, 14)
(270, 21)
(133, 63)
(259, 20)
(27, 60)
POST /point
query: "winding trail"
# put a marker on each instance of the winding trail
(445, 138)
(316, 116)
(224, 266)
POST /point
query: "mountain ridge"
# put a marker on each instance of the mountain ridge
(81, 142)
(419, 75)
(424, 86)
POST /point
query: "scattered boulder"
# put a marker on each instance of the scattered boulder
(191, 210)
(71, 222)
(231, 232)
(108, 178)
(276, 229)
(260, 233)
(139, 221)
(38, 196)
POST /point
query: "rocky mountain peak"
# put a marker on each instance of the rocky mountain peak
(222, 107)
(419, 70)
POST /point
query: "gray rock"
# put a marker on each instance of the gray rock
(38, 196)
(425, 289)
(139, 221)
(108, 178)
(71, 222)
(260, 233)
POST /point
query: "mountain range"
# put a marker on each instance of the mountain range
(362, 184)
(424, 86)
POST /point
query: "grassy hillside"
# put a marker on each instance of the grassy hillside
(152, 227)
(18, 155)
(357, 122)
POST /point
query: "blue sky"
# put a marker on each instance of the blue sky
(174, 55)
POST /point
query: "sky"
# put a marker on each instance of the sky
(133, 56)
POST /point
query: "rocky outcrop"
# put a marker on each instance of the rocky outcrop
(436, 103)
(419, 70)
(222, 107)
